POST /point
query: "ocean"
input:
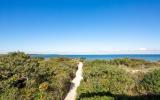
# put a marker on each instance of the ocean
(147, 57)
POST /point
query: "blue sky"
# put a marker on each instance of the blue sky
(80, 26)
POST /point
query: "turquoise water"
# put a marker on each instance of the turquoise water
(148, 57)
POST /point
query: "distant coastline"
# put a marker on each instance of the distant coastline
(148, 57)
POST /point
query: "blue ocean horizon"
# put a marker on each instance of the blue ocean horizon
(147, 57)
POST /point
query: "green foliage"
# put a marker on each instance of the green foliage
(138, 63)
(151, 82)
(82, 59)
(98, 98)
(101, 77)
(25, 77)
(108, 80)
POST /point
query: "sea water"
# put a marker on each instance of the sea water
(148, 57)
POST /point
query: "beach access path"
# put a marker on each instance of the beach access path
(75, 83)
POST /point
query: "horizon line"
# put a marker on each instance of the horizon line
(88, 52)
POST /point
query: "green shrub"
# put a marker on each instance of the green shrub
(133, 63)
(107, 79)
(25, 77)
(151, 82)
(100, 77)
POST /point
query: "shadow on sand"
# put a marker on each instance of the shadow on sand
(120, 97)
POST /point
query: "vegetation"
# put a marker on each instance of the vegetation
(24, 77)
(134, 63)
(151, 82)
(109, 80)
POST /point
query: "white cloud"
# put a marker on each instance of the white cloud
(143, 49)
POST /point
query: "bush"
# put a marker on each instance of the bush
(104, 79)
(151, 82)
(133, 63)
(100, 78)
(25, 77)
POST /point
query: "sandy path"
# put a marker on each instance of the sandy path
(75, 83)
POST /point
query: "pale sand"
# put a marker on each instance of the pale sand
(75, 83)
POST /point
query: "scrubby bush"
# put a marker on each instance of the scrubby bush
(151, 82)
(100, 78)
(133, 63)
(105, 80)
(24, 77)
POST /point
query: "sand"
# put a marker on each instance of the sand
(75, 83)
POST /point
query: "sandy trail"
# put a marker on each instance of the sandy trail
(75, 83)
